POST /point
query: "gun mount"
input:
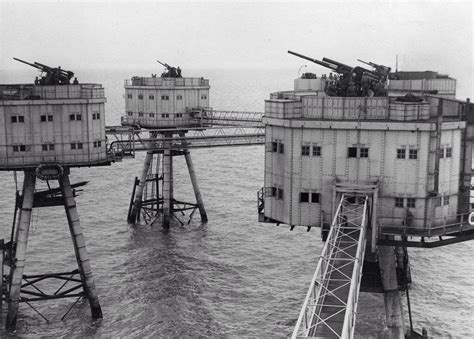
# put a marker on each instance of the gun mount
(53, 76)
(171, 72)
(380, 69)
(352, 81)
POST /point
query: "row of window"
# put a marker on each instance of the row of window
(50, 147)
(402, 152)
(405, 202)
(163, 97)
(274, 192)
(359, 152)
(49, 117)
(442, 201)
(306, 150)
(152, 115)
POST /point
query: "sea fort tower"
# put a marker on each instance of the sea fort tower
(380, 161)
(48, 128)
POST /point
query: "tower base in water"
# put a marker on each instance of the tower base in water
(24, 288)
(150, 203)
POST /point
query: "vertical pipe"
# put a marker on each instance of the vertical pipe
(2, 256)
(395, 326)
(194, 182)
(21, 240)
(79, 245)
(167, 189)
(139, 193)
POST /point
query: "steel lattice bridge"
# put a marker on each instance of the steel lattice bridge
(211, 129)
(329, 309)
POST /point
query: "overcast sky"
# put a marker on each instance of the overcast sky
(131, 34)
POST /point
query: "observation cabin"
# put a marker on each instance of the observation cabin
(60, 124)
(410, 141)
(165, 102)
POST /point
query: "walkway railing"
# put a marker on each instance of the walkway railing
(329, 309)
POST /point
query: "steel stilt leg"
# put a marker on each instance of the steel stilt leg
(167, 187)
(139, 192)
(393, 306)
(197, 192)
(21, 240)
(80, 246)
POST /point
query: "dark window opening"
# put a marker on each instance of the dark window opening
(352, 152)
(364, 152)
(79, 145)
(398, 202)
(140, 114)
(304, 197)
(72, 117)
(151, 97)
(316, 151)
(14, 119)
(15, 148)
(129, 96)
(411, 202)
(73, 146)
(304, 150)
(21, 118)
(43, 118)
(51, 147)
(413, 154)
(152, 115)
(401, 152)
(44, 147)
(449, 152)
(179, 97)
(50, 118)
(281, 148)
(446, 201)
(78, 117)
(315, 197)
(129, 114)
(22, 148)
(279, 193)
(140, 96)
(274, 146)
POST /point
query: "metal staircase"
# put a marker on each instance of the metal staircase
(329, 309)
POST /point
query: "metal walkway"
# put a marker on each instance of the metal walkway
(329, 309)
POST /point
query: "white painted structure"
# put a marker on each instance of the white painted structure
(155, 102)
(412, 150)
(62, 124)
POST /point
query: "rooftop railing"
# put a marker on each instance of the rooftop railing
(41, 92)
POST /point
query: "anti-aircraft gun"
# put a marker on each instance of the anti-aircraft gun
(171, 72)
(382, 70)
(359, 76)
(53, 76)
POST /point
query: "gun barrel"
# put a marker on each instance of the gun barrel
(26, 62)
(367, 63)
(324, 64)
(161, 63)
(337, 63)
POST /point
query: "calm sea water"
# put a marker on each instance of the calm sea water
(231, 276)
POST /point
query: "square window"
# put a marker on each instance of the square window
(21, 118)
(51, 147)
(22, 148)
(449, 152)
(401, 153)
(98, 116)
(281, 148)
(44, 147)
(50, 118)
(315, 197)
(305, 150)
(413, 154)
(129, 96)
(316, 151)
(179, 97)
(269, 192)
(279, 193)
(129, 114)
(151, 97)
(14, 119)
(79, 145)
(364, 152)
(140, 114)
(99, 143)
(411, 202)
(15, 149)
(398, 202)
(140, 96)
(352, 152)
(204, 96)
(274, 191)
(274, 146)
(152, 115)
(73, 146)
(43, 118)
(441, 153)
(438, 201)
(78, 117)
(446, 201)
(95, 143)
(72, 117)
(304, 197)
